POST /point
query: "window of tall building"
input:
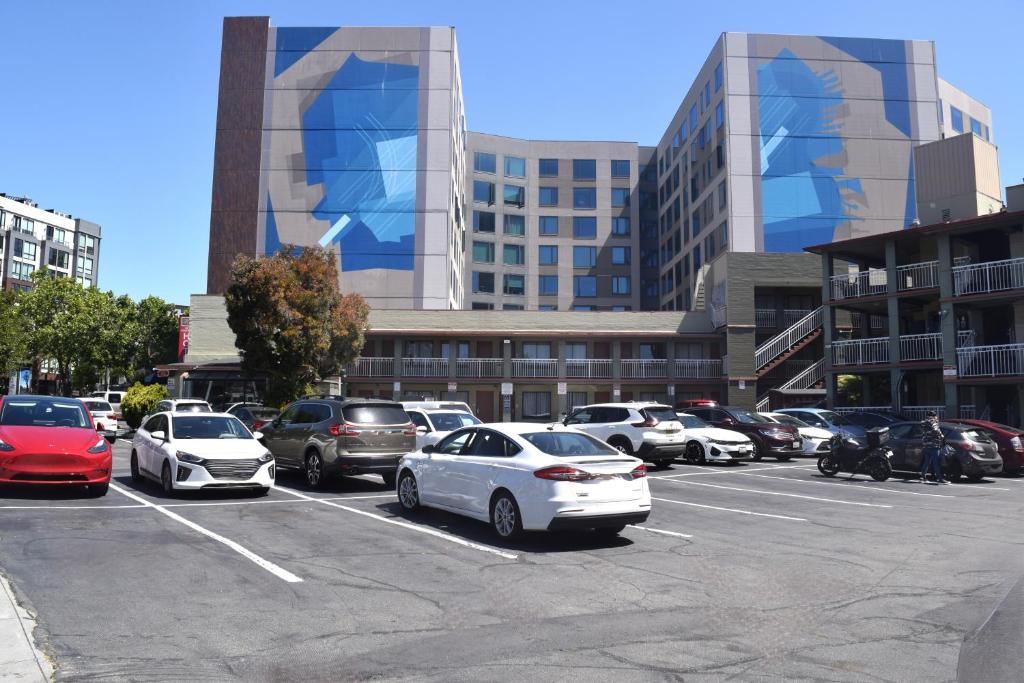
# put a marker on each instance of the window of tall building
(483, 252)
(582, 307)
(976, 127)
(721, 195)
(621, 256)
(484, 162)
(696, 257)
(723, 235)
(536, 404)
(620, 226)
(22, 271)
(25, 250)
(707, 95)
(513, 254)
(547, 254)
(515, 167)
(483, 283)
(514, 195)
(584, 285)
(547, 225)
(514, 284)
(584, 198)
(956, 119)
(547, 285)
(584, 227)
(59, 259)
(547, 196)
(621, 284)
(620, 168)
(547, 168)
(719, 115)
(482, 306)
(584, 169)
(483, 221)
(547, 307)
(86, 245)
(536, 350)
(511, 307)
(584, 257)
(620, 197)
(58, 235)
(514, 224)
(693, 117)
(483, 192)
(719, 79)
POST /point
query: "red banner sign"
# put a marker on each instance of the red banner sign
(182, 337)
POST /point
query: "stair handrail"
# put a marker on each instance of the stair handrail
(815, 370)
(782, 342)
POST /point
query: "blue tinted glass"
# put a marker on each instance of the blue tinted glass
(584, 226)
(719, 115)
(547, 168)
(584, 285)
(514, 195)
(484, 162)
(483, 282)
(547, 225)
(483, 191)
(547, 285)
(621, 256)
(584, 198)
(620, 168)
(547, 307)
(483, 221)
(620, 225)
(976, 127)
(621, 284)
(620, 196)
(514, 284)
(514, 224)
(707, 93)
(547, 254)
(956, 118)
(515, 167)
(584, 169)
(693, 117)
(548, 196)
(718, 77)
(483, 252)
(584, 257)
(514, 254)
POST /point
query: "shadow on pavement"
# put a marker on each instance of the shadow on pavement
(45, 492)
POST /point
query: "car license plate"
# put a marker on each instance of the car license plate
(796, 444)
(742, 449)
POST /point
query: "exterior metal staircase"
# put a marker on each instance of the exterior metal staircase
(805, 379)
(776, 350)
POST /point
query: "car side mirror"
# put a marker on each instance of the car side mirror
(727, 421)
(276, 423)
(159, 435)
(422, 429)
(257, 435)
(429, 448)
(111, 437)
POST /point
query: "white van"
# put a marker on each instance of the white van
(111, 397)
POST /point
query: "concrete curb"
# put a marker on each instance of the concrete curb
(20, 659)
(995, 650)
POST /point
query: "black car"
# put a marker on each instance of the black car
(972, 454)
(870, 420)
(254, 416)
(770, 438)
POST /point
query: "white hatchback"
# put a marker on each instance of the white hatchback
(200, 451)
(525, 476)
(103, 414)
(705, 443)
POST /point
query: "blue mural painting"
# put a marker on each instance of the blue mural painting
(802, 188)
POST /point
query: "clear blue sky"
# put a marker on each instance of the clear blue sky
(109, 107)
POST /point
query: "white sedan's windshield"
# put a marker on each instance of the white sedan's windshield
(98, 406)
(789, 420)
(208, 427)
(691, 421)
(563, 444)
(447, 422)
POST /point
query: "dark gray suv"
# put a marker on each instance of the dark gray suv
(330, 436)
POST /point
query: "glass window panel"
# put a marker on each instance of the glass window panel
(584, 257)
(483, 191)
(547, 196)
(620, 226)
(514, 224)
(514, 195)
(620, 168)
(584, 169)
(514, 284)
(513, 254)
(547, 168)
(956, 118)
(620, 197)
(483, 221)
(621, 284)
(584, 285)
(547, 225)
(547, 285)
(515, 167)
(584, 227)
(621, 256)
(484, 162)
(547, 254)
(483, 283)
(584, 198)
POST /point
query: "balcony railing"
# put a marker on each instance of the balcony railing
(968, 411)
(765, 317)
(655, 368)
(862, 409)
(1005, 360)
(920, 412)
(479, 367)
(534, 367)
(698, 368)
(791, 316)
(372, 367)
(860, 351)
(993, 276)
(424, 367)
(964, 338)
(921, 346)
(588, 368)
(862, 283)
(922, 275)
(877, 322)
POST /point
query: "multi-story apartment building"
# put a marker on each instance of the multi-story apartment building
(555, 225)
(348, 138)
(32, 238)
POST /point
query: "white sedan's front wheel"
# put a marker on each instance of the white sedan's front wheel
(505, 516)
(166, 483)
(408, 492)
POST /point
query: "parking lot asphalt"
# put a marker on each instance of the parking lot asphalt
(759, 571)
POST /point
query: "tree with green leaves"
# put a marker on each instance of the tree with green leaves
(14, 333)
(157, 339)
(291, 322)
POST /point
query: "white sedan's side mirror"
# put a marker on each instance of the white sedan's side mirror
(422, 429)
(257, 435)
(159, 435)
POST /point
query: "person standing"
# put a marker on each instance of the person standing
(932, 443)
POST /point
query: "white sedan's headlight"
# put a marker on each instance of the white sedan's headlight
(266, 457)
(189, 458)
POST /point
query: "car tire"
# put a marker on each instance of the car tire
(783, 458)
(166, 481)
(755, 451)
(695, 454)
(136, 474)
(505, 518)
(408, 492)
(389, 479)
(609, 531)
(621, 444)
(665, 464)
(975, 478)
(314, 471)
(262, 491)
(98, 490)
(954, 472)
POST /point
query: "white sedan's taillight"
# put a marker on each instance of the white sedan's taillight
(562, 473)
(640, 471)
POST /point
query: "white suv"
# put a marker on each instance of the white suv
(651, 431)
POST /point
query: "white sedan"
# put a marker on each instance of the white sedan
(200, 451)
(102, 413)
(432, 425)
(524, 476)
(816, 439)
(705, 443)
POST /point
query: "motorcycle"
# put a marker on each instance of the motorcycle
(848, 455)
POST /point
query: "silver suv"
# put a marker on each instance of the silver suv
(330, 436)
(651, 431)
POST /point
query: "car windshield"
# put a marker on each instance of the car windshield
(790, 420)
(691, 421)
(264, 413)
(833, 418)
(747, 417)
(43, 412)
(208, 427)
(98, 406)
(566, 444)
(446, 422)
(661, 413)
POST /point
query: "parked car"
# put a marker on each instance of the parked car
(650, 431)
(183, 405)
(816, 439)
(230, 407)
(694, 402)
(325, 437)
(1009, 440)
(253, 416)
(111, 397)
(871, 419)
(51, 440)
(972, 453)
(705, 443)
(827, 419)
(103, 415)
(439, 405)
(524, 476)
(769, 438)
(200, 450)
(433, 425)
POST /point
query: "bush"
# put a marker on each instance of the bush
(141, 400)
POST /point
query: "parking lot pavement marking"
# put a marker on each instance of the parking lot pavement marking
(68, 507)
(731, 470)
(277, 571)
(779, 493)
(845, 482)
(660, 531)
(381, 495)
(742, 512)
(414, 527)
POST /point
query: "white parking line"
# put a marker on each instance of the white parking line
(220, 503)
(68, 507)
(660, 531)
(731, 470)
(241, 550)
(742, 512)
(778, 493)
(874, 485)
(414, 527)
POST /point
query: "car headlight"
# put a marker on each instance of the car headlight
(98, 447)
(1014, 442)
(188, 457)
(5, 447)
(266, 457)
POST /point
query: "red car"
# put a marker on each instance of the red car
(51, 440)
(1010, 441)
